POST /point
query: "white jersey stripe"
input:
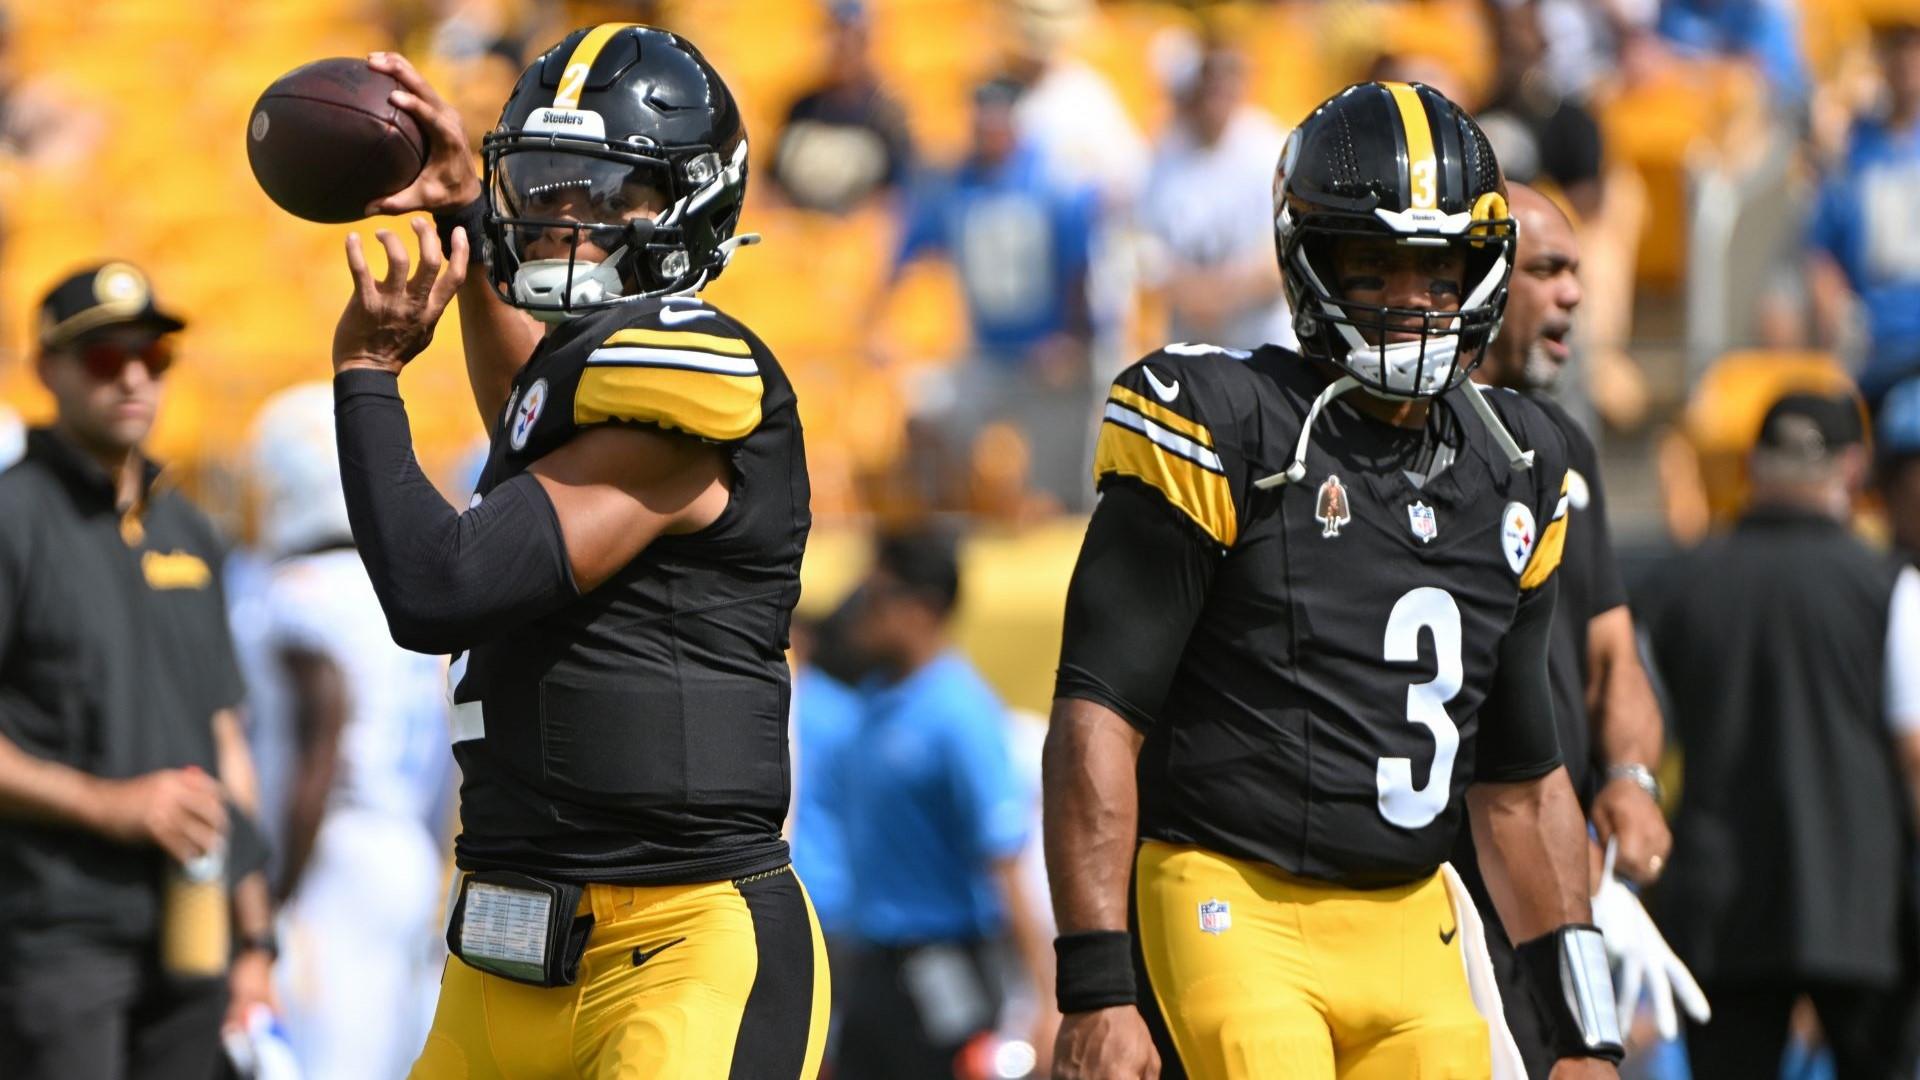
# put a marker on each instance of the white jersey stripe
(637, 356)
(1171, 441)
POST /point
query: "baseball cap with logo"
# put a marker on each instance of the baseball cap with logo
(111, 294)
(1808, 428)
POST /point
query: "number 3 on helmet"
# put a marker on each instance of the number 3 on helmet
(617, 171)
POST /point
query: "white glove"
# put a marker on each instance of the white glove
(1636, 947)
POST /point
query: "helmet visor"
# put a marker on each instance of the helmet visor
(552, 200)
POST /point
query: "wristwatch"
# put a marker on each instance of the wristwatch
(1641, 776)
(264, 942)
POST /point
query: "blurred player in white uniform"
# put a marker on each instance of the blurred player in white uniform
(356, 730)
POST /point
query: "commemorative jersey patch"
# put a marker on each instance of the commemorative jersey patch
(1517, 535)
(1216, 916)
(1425, 526)
(526, 413)
(1331, 508)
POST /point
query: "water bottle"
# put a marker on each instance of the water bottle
(196, 935)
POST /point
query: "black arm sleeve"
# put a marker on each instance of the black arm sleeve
(446, 581)
(1137, 590)
(1517, 738)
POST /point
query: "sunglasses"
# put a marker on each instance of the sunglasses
(104, 360)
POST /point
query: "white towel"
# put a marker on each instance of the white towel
(1507, 1064)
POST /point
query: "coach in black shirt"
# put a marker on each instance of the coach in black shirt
(117, 689)
(1789, 648)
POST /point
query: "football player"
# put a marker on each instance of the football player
(1594, 656)
(619, 589)
(357, 727)
(1308, 632)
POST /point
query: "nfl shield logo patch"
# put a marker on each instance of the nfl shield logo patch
(1215, 916)
(1420, 516)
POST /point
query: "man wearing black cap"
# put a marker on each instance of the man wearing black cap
(1789, 649)
(122, 764)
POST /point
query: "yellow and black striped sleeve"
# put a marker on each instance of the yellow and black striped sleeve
(1156, 428)
(704, 381)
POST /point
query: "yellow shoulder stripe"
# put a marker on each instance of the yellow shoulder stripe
(1553, 543)
(1199, 493)
(702, 403)
(1162, 415)
(681, 339)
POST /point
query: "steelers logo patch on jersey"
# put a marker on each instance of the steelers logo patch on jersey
(526, 413)
(1517, 535)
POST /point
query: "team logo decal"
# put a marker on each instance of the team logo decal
(1420, 516)
(1215, 916)
(525, 413)
(1517, 535)
(1330, 508)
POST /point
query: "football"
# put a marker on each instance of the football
(324, 141)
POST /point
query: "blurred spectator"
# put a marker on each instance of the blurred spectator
(1540, 134)
(1766, 33)
(120, 851)
(42, 125)
(1021, 242)
(1209, 210)
(1866, 221)
(845, 140)
(1787, 647)
(936, 820)
(361, 728)
(1068, 109)
(1897, 440)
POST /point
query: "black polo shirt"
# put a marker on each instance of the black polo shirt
(1791, 838)
(114, 656)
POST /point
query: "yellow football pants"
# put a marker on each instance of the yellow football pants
(1301, 980)
(702, 982)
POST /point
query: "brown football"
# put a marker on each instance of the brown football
(324, 141)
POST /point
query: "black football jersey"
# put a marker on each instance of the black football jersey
(1325, 710)
(638, 735)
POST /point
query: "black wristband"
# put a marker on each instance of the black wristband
(263, 942)
(1571, 984)
(471, 217)
(1095, 970)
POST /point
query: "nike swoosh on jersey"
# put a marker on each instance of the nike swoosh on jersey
(1162, 390)
(675, 316)
(641, 956)
(1446, 936)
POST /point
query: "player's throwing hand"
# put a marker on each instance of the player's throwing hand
(389, 321)
(448, 181)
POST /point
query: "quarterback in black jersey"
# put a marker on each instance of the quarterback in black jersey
(1306, 636)
(616, 597)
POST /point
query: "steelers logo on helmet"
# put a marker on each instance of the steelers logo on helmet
(617, 171)
(1397, 174)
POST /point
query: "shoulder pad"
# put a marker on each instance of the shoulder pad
(1169, 421)
(1534, 429)
(680, 365)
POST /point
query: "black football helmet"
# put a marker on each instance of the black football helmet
(1396, 160)
(615, 117)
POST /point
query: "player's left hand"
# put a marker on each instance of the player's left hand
(1583, 1069)
(389, 321)
(1623, 811)
(249, 983)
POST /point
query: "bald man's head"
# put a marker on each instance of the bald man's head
(1532, 346)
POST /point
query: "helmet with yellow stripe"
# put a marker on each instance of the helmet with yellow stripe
(1396, 165)
(617, 171)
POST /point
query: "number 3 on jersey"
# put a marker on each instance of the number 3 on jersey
(1433, 609)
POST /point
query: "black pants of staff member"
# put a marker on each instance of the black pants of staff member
(1868, 1030)
(910, 1011)
(106, 1014)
